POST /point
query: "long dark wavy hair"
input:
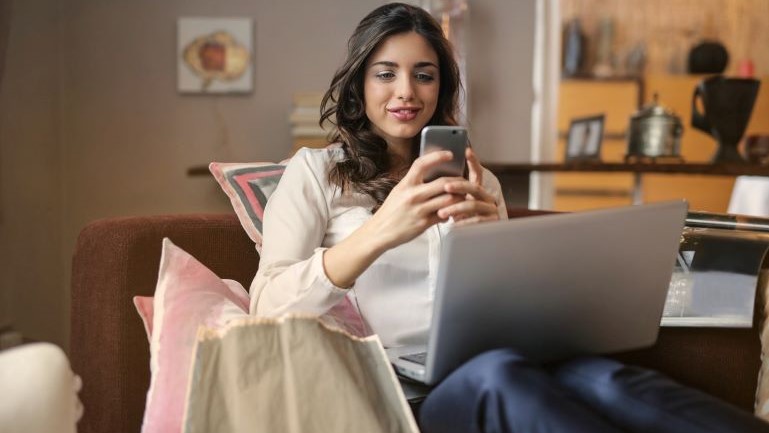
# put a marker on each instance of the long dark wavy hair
(366, 166)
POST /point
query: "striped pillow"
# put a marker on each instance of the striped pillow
(249, 185)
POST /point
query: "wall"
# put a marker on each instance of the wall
(103, 132)
(5, 23)
(500, 92)
(30, 180)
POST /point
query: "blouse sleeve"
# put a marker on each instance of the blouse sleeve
(291, 277)
(492, 186)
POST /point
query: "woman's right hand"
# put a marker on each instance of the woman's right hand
(412, 205)
(410, 208)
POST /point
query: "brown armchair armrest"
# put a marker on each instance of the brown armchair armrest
(115, 260)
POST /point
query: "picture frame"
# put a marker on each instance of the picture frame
(215, 55)
(585, 138)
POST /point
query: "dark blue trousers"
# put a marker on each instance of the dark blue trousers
(501, 391)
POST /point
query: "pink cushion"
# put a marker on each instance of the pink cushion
(187, 296)
(144, 307)
(249, 185)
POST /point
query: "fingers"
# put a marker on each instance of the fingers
(475, 171)
(425, 191)
(443, 201)
(473, 189)
(475, 220)
(468, 209)
(422, 164)
(479, 205)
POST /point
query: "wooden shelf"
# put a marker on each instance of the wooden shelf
(615, 194)
(634, 167)
(602, 167)
(198, 170)
(582, 186)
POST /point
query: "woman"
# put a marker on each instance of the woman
(357, 222)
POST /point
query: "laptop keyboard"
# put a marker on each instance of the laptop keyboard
(417, 358)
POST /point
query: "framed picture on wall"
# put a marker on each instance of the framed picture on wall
(215, 55)
(585, 137)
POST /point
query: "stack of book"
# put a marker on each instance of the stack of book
(305, 118)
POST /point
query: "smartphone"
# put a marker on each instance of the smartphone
(453, 138)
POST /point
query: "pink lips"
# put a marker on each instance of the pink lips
(404, 114)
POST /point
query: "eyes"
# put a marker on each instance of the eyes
(420, 76)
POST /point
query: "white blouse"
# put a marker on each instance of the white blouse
(305, 216)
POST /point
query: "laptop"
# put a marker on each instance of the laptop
(552, 287)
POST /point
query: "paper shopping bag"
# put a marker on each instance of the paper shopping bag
(292, 374)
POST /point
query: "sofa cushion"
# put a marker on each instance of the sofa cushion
(145, 309)
(187, 296)
(248, 186)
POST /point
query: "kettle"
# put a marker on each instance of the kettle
(655, 132)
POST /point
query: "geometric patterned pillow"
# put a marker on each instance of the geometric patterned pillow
(249, 185)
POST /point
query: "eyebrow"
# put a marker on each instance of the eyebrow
(395, 65)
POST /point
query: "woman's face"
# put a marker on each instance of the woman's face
(401, 87)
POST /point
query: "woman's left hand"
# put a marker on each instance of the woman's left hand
(478, 205)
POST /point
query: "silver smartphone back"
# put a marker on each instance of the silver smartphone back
(453, 138)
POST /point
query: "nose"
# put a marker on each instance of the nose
(405, 89)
